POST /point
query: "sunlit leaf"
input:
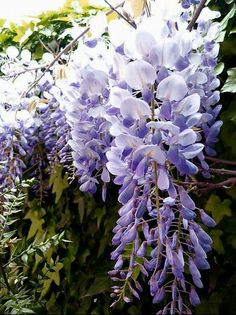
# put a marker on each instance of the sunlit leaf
(230, 84)
(58, 182)
(37, 221)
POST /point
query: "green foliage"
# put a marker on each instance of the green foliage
(19, 255)
(48, 32)
(217, 208)
(225, 23)
(230, 84)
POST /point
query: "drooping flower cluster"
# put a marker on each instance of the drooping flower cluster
(17, 140)
(24, 124)
(163, 95)
(84, 98)
(17, 133)
(141, 107)
(147, 115)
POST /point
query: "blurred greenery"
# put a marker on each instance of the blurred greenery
(59, 263)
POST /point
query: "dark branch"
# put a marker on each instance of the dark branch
(121, 15)
(222, 171)
(220, 161)
(207, 186)
(196, 14)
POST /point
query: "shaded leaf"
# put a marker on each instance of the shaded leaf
(217, 242)
(218, 208)
(100, 284)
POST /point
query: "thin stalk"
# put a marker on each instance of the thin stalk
(179, 230)
(156, 190)
(196, 14)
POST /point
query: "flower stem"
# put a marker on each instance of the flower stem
(157, 202)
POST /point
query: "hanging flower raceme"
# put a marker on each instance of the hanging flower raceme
(162, 105)
(54, 131)
(17, 136)
(142, 110)
(84, 97)
(19, 120)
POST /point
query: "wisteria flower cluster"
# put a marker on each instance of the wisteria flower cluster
(165, 97)
(28, 122)
(138, 108)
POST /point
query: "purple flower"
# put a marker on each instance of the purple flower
(206, 219)
(193, 297)
(159, 296)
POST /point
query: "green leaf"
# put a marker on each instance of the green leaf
(231, 240)
(219, 68)
(233, 31)
(100, 284)
(232, 192)
(38, 53)
(24, 258)
(217, 243)
(46, 286)
(136, 272)
(52, 276)
(55, 276)
(81, 206)
(99, 214)
(8, 235)
(228, 17)
(84, 256)
(36, 223)
(27, 311)
(230, 84)
(2, 21)
(218, 208)
(211, 306)
(58, 181)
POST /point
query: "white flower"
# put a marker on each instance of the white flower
(98, 24)
(12, 52)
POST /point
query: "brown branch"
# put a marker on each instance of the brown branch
(24, 71)
(46, 47)
(206, 186)
(222, 171)
(220, 161)
(121, 15)
(58, 56)
(196, 14)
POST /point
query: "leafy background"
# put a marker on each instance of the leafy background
(56, 246)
